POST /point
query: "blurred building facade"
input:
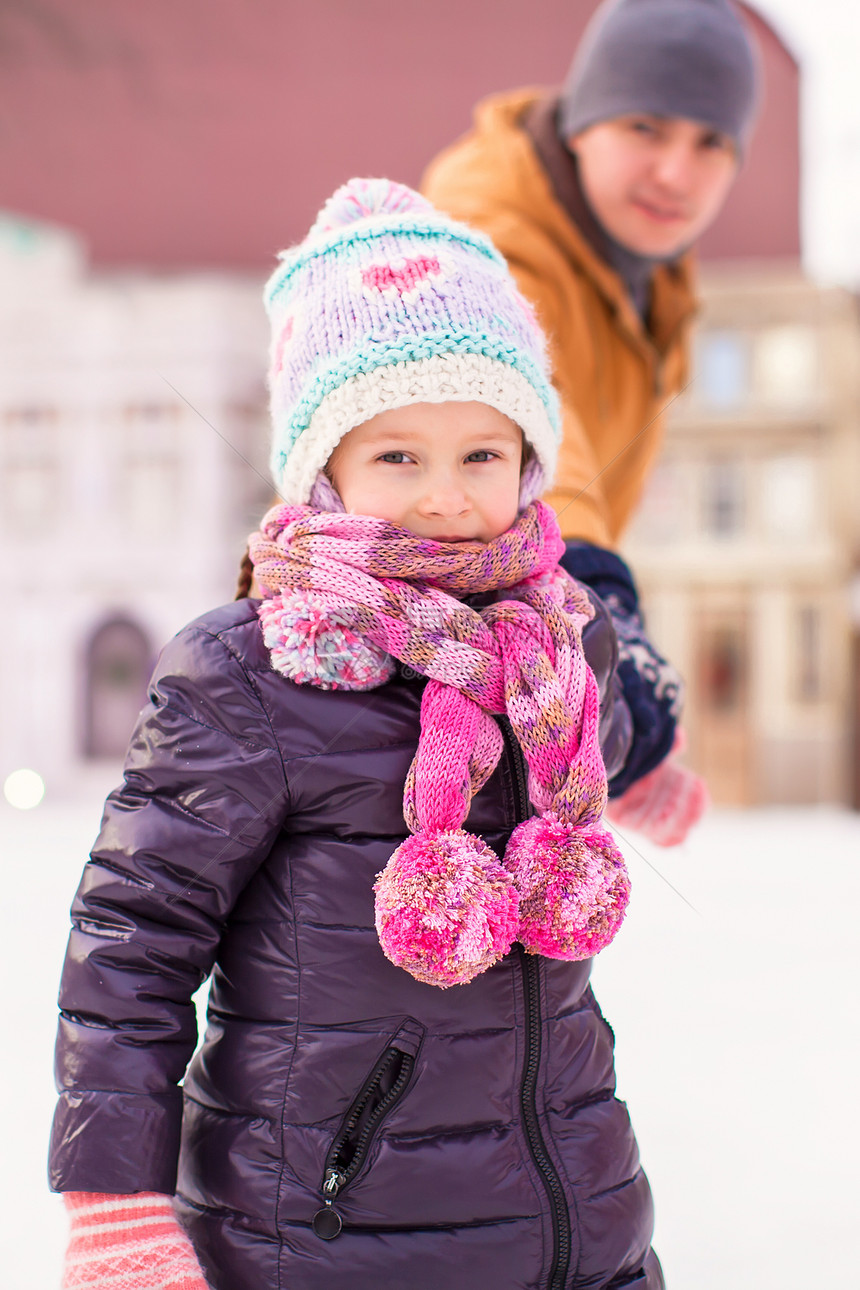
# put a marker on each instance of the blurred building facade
(747, 539)
(129, 401)
(128, 404)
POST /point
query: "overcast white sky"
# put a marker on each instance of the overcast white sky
(824, 35)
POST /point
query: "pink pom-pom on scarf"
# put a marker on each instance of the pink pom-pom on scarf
(311, 642)
(573, 887)
(446, 910)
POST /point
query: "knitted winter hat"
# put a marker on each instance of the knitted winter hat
(385, 303)
(672, 58)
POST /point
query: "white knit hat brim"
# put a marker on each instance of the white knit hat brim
(442, 378)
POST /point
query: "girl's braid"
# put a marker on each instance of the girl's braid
(246, 576)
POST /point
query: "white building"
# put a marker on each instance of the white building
(132, 466)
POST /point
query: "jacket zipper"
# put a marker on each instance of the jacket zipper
(349, 1149)
(528, 1089)
(537, 1146)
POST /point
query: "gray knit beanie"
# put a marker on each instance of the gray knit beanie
(669, 58)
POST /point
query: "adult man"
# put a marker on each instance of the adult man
(595, 196)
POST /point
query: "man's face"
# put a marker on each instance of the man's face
(654, 183)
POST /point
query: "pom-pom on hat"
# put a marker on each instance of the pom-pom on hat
(385, 303)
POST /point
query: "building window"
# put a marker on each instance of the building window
(722, 668)
(721, 374)
(150, 418)
(150, 474)
(786, 364)
(660, 517)
(724, 498)
(789, 497)
(117, 667)
(30, 468)
(150, 495)
(810, 681)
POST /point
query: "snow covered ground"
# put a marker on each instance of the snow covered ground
(733, 998)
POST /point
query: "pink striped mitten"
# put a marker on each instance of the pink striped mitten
(127, 1243)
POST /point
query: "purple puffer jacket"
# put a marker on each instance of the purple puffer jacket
(342, 1124)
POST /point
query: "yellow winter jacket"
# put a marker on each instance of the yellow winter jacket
(614, 377)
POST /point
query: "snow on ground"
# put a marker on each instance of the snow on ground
(731, 989)
(738, 1047)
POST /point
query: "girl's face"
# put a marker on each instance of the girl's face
(447, 471)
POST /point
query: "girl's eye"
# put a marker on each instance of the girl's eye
(395, 458)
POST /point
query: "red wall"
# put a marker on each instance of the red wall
(208, 132)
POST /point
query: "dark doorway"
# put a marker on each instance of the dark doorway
(117, 667)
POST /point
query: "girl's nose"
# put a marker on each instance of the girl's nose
(444, 497)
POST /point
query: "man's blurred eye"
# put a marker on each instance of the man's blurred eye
(717, 142)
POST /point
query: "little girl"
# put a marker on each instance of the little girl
(405, 1079)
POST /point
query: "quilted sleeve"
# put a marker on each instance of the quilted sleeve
(203, 797)
(651, 687)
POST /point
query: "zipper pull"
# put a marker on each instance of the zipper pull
(327, 1222)
(332, 1184)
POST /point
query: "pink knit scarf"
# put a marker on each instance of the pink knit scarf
(347, 594)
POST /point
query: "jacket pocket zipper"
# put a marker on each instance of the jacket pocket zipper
(380, 1093)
